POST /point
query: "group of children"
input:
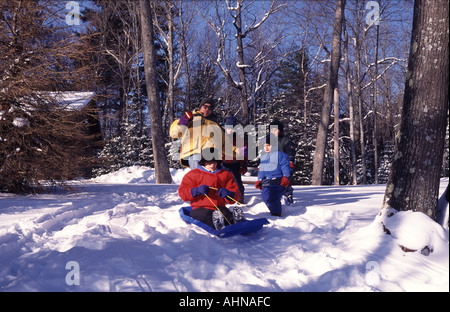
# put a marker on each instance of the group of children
(212, 183)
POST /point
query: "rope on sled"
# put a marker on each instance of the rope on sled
(217, 208)
(237, 202)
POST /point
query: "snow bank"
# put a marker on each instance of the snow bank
(138, 174)
(123, 233)
(413, 231)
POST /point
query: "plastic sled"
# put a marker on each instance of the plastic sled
(241, 228)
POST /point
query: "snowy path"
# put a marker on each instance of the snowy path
(129, 237)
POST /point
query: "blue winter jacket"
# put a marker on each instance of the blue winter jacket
(274, 165)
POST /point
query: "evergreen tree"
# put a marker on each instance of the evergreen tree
(39, 139)
(204, 81)
(286, 103)
(385, 162)
(132, 148)
(290, 79)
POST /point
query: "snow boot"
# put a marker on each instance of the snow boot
(288, 200)
(238, 215)
(218, 220)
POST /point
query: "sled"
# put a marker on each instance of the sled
(241, 228)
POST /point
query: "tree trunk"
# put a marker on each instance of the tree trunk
(187, 76)
(358, 96)
(375, 110)
(162, 172)
(415, 172)
(348, 79)
(336, 136)
(170, 50)
(241, 69)
(321, 143)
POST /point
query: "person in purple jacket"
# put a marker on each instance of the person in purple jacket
(273, 175)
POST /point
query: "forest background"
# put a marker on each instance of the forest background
(261, 59)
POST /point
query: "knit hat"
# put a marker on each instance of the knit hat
(230, 121)
(279, 124)
(210, 101)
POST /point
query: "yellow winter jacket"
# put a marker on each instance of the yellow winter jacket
(201, 133)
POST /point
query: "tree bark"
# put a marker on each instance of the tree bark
(321, 142)
(336, 136)
(415, 172)
(375, 110)
(162, 172)
(348, 79)
(170, 50)
(241, 69)
(358, 97)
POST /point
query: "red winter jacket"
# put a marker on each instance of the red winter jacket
(217, 179)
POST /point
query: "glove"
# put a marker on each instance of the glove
(223, 192)
(291, 165)
(285, 182)
(200, 190)
(185, 119)
(258, 185)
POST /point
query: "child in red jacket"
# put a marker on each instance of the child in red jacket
(208, 188)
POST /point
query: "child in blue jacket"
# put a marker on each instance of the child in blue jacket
(273, 175)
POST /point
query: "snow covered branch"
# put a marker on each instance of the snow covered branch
(373, 80)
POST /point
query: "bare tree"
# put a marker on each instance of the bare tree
(167, 33)
(375, 106)
(162, 172)
(186, 15)
(336, 136)
(219, 25)
(117, 44)
(415, 172)
(313, 26)
(364, 70)
(266, 61)
(359, 39)
(321, 142)
(348, 79)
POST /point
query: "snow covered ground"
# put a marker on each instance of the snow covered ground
(122, 232)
